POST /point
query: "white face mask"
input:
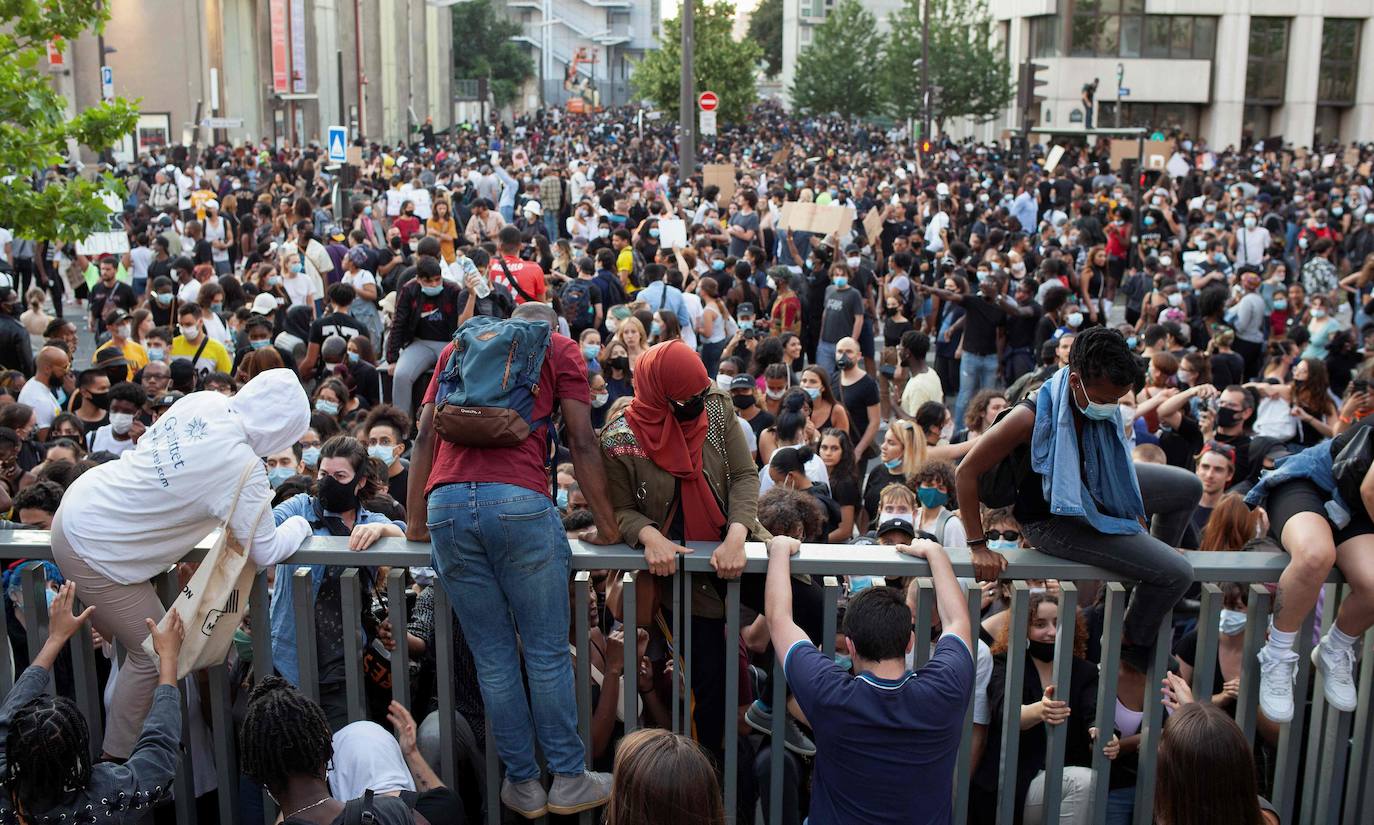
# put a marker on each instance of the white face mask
(121, 423)
(1231, 622)
(191, 333)
(723, 381)
(123, 330)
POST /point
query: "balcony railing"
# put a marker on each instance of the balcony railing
(1324, 771)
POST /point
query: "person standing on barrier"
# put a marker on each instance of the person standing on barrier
(504, 560)
(680, 470)
(126, 521)
(1067, 441)
(887, 737)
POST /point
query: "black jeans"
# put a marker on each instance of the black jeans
(710, 660)
(1163, 575)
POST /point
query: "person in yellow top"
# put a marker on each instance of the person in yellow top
(193, 344)
(199, 198)
(441, 225)
(624, 259)
(121, 329)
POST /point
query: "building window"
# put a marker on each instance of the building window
(1045, 35)
(805, 35)
(1120, 28)
(1166, 118)
(1339, 61)
(1267, 65)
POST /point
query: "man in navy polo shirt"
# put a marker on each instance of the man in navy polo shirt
(887, 738)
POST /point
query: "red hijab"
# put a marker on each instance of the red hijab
(668, 372)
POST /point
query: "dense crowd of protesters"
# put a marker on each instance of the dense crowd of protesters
(982, 342)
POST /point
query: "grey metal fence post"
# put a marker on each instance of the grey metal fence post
(1011, 712)
(963, 768)
(303, 604)
(1152, 724)
(351, 604)
(1113, 609)
(1056, 739)
(400, 654)
(444, 666)
(630, 694)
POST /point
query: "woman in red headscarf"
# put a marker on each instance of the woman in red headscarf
(679, 470)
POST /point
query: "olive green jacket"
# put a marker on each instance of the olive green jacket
(644, 495)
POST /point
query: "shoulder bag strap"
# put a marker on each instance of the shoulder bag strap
(512, 281)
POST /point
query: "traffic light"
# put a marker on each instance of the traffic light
(925, 147)
(1028, 82)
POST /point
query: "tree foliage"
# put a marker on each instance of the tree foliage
(765, 28)
(35, 132)
(967, 63)
(482, 47)
(721, 64)
(840, 70)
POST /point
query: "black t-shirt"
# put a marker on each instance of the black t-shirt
(760, 422)
(856, 399)
(336, 323)
(1030, 505)
(204, 253)
(1021, 332)
(842, 306)
(396, 485)
(1181, 443)
(103, 299)
(878, 479)
(159, 268)
(1227, 368)
(846, 491)
(1200, 517)
(1244, 467)
(980, 325)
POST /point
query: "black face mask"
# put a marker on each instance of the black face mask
(844, 362)
(100, 400)
(1227, 417)
(742, 402)
(691, 409)
(1044, 651)
(336, 496)
(620, 362)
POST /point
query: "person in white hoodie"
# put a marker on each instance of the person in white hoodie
(125, 521)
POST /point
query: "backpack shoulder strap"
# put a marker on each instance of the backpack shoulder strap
(940, 523)
(359, 811)
(510, 279)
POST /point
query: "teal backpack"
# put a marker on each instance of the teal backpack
(488, 387)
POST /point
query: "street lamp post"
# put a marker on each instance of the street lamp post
(687, 151)
(925, 70)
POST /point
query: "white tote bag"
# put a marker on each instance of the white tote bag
(213, 602)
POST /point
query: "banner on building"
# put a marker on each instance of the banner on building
(281, 72)
(298, 46)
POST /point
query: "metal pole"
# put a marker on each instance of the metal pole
(687, 151)
(925, 70)
(358, 63)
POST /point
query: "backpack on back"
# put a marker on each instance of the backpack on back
(576, 299)
(997, 486)
(488, 388)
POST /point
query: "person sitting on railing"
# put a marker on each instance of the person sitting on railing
(1077, 494)
(123, 522)
(886, 739)
(46, 770)
(334, 510)
(297, 776)
(1206, 769)
(1320, 529)
(1043, 704)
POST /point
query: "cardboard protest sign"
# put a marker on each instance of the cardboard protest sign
(722, 175)
(1056, 154)
(672, 233)
(873, 224)
(1352, 155)
(780, 157)
(819, 220)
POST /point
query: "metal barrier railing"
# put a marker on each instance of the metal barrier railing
(1331, 749)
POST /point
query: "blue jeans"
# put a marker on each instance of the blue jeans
(976, 372)
(503, 559)
(1121, 806)
(825, 356)
(551, 225)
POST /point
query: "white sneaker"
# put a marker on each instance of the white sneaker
(1336, 663)
(1277, 673)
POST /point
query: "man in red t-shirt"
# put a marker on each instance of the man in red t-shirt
(528, 276)
(500, 549)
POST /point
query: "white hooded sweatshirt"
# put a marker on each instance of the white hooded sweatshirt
(129, 519)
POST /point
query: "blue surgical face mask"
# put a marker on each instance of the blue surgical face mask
(748, 323)
(814, 392)
(262, 343)
(932, 497)
(845, 663)
(432, 291)
(298, 267)
(655, 328)
(367, 210)
(326, 407)
(840, 281)
(718, 264)
(218, 306)
(653, 232)
(1094, 410)
(894, 464)
(164, 299)
(1131, 342)
(384, 453)
(353, 357)
(561, 497)
(274, 280)
(310, 456)
(1002, 545)
(1231, 622)
(156, 353)
(590, 351)
(277, 475)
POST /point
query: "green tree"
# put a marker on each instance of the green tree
(721, 64)
(765, 28)
(840, 71)
(967, 63)
(483, 48)
(35, 133)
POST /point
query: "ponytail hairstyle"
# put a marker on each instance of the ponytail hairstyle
(793, 415)
(47, 752)
(788, 460)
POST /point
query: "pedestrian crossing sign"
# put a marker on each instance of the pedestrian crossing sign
(338, 144)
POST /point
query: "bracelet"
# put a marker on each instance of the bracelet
(1345, 419)
(972, 542)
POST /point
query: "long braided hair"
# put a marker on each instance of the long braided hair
(284, 734)
(47, 752)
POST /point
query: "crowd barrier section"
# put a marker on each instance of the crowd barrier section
(1323, 775)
